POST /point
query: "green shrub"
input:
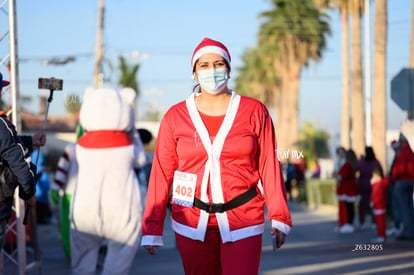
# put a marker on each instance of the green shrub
(320, 191)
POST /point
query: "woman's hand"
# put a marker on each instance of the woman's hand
(280, 236)
(151, 249)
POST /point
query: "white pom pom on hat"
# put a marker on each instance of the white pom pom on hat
(210, 46)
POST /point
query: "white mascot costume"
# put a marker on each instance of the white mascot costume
(106, 204)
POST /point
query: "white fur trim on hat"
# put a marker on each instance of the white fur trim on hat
(210, 49)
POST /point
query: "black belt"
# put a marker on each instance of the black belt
(222, 207)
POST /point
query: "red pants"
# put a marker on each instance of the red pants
(381, 221)
(215, 257)
(342, 214)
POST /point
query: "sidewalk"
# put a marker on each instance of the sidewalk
(312, 247)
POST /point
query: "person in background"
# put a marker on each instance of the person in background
(407, 129)
(43, 212)
(211, 151)
(366, 165)
(145, 171)
(15, 153)
(339, 162)
(403, 175)
(347, 189)
(63, 186)
(316, 173)
(379, 203)
(290, 176)
(396, 229)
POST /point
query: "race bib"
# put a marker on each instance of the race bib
(183, 188)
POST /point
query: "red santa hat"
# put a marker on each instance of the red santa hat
(210, 46)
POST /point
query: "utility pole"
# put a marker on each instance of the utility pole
(99, 52)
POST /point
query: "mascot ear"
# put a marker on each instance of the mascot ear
(88, 91)
(128, 95)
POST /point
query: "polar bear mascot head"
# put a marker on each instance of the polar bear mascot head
(107, 109)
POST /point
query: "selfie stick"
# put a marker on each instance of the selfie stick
(49, 100)
(26, 213)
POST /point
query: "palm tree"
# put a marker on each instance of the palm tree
(252, 78)
(128, 74)
(358, 126)
(257, 79)
(73, 104)
(314, 142)
(345, 121)
(293, 34)
(379, 118)
(343, 8)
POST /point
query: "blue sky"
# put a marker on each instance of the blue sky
(165, 33)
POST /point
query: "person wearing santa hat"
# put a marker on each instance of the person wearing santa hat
(212, 149)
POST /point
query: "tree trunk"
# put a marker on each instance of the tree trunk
(277, 106)
(358, 125)
(379, 117)
(283, 128)
(292, 106)
(280, 103)
(345, 125)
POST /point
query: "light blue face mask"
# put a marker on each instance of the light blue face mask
(212, 80)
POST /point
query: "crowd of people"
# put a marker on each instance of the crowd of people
(363, 185)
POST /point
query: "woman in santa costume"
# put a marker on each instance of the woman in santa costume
(346, 190)
(212, 149)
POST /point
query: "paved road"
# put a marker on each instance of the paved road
(312, 248)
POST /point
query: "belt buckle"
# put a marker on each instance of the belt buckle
(210, 208)
(216, 207)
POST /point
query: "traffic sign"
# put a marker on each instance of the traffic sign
(402, 89)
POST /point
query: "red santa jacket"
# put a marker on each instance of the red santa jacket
(347, 189)
(379, 196)
(403, 168)
(242, 154)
